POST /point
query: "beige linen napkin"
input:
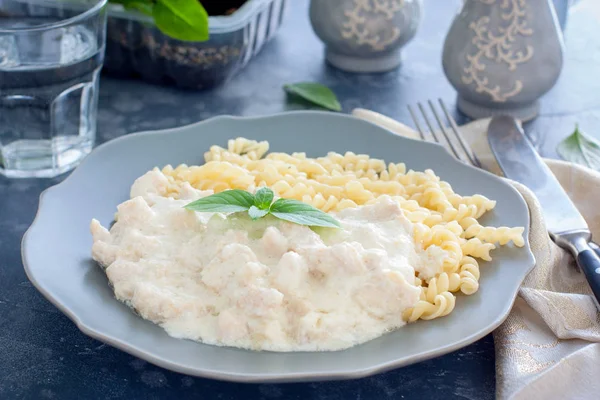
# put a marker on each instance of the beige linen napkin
(548, 348)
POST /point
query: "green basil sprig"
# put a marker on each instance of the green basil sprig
(580, 148)
(260, 204)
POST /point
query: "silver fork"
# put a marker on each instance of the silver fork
(451, 140)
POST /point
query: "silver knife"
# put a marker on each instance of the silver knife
(520, 162)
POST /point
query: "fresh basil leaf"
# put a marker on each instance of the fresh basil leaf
(144, 8)
(302, 213)
(227, 201)
(580, 148)
(256, 213)
(315, 93)
(181, 19)
(263, 198)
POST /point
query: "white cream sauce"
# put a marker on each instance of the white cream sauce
(265, 284)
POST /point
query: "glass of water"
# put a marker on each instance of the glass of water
(51, 53)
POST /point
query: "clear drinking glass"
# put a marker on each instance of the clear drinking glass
(51, 53)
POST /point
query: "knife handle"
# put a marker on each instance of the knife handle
(587, 257)
(595, 247)
(589, 262)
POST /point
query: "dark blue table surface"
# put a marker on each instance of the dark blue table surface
(43, 354)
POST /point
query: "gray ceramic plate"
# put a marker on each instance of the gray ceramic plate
(56, 249)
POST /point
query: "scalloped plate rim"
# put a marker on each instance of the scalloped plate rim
(264, 377)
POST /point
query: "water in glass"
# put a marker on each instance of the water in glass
(51, 54)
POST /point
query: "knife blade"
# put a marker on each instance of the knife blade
(520, 162)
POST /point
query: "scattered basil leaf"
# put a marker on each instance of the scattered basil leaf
(302, 213)
(256, 213)
(315, 93)
(263, 198)
(580, 148)
(227, 201)
(181, 19)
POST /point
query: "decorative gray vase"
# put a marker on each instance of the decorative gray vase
(365, 35)
(501, 56)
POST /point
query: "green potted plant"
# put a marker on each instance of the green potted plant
(194, 44)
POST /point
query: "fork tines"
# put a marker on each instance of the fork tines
(450, 137)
